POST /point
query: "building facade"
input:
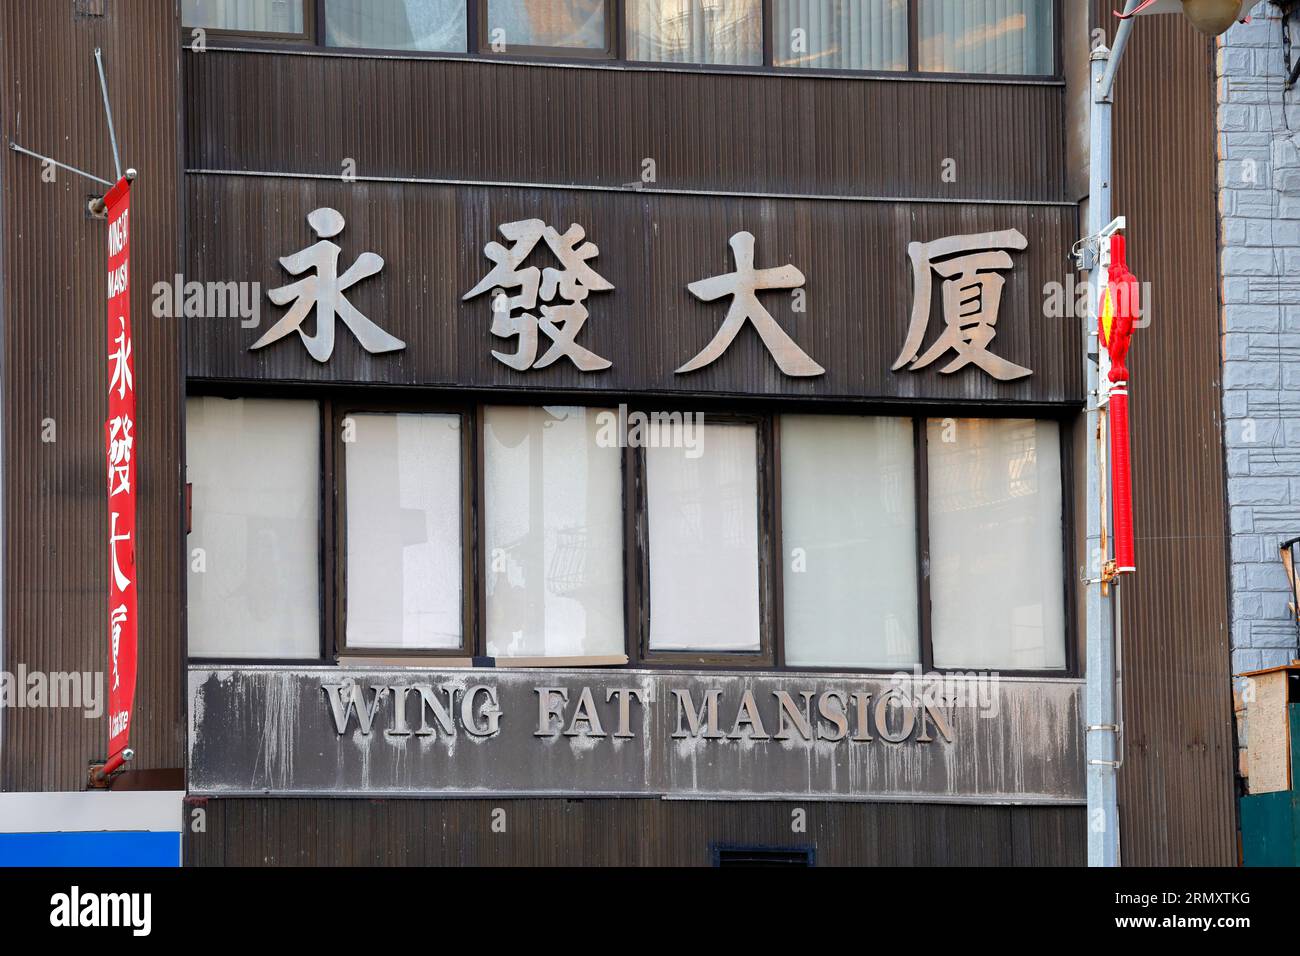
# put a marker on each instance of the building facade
(590, 432)
(1259, 208)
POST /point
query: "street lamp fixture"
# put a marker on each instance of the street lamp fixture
(1211, 17)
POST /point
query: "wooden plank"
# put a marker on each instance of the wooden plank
(1268, 720)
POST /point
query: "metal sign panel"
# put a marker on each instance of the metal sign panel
(462, 733)
(626, 293)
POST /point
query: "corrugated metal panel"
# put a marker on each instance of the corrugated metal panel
(854, 255)
(545, 124)
(625, 833)
(1176, 797)
(55, 578)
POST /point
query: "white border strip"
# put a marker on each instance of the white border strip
(92, 811)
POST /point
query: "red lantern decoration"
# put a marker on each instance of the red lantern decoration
(1120, 309)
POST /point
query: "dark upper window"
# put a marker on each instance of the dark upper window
(958, 37)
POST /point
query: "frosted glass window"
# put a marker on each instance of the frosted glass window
(696, 31)
(554, 544)
(1016, 37)
(702, 511)
(996, 545)
(570, 24)
(244, 16)
(840, 34)
(427, 25)
(254, 580)
(848, 513)
(403, 532)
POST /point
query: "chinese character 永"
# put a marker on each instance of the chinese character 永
(743, 286)
(120, 378)
(323, 291)
(560, 292)
(971, 297)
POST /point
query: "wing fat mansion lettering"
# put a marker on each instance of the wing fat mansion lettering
(892, 715)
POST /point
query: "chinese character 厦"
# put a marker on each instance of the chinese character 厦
(971, 297)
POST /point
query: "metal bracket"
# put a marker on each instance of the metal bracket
(101, 775)
(1091, 253)
(1085, 255)
(108, 112)
(1109, 572)
(54, 162)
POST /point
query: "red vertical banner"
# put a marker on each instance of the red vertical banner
(119, 434)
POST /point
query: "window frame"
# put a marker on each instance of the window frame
(1070, 604)
(312, 19)
(318, 38)
(921, 501)
(764, 46)
(335, 571)
(769, 629)
(592, 403)
(335, 404)
(614, 54)
(323, 518)
(914, 48)
(477, 15)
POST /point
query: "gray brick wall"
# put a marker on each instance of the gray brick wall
(1259, 208)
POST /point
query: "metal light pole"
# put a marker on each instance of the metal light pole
(1101, 605)
(1102, 725)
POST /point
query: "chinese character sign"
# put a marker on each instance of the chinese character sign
(119, 432)
(743, 286)
(970, 297)
(322, 291)
(560, 293)
(540, 284)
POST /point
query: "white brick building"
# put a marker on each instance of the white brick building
(1259, 203)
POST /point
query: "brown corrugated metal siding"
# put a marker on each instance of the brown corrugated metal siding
(625, 833)
(55, 359)
(1176, 790)
(502, 122)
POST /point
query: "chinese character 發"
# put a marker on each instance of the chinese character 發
(517, 315)
(743, 286)
(120, 443)
(972, 295)
(323, 291)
